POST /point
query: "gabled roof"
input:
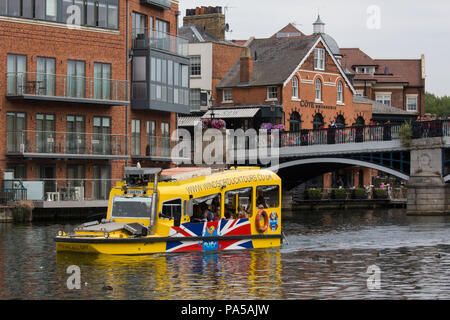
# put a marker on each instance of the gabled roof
(274, 60)
(355, 57)
(289, 31)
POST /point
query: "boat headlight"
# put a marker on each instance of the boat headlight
(60, 233)
(106, 235)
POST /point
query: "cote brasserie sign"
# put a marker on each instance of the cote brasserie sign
(311, 104)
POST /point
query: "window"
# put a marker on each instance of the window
(411, 103)
(76, 79)
(101, 139)
(45, 135)
(195, 99)
(268, 196)
(340, 92)
(16, 74)
(165, 139)
(150, 149)
(15, 136)
(211, 204)
(318, 90)
(319, 59)
(76, 139)
(135, 137)
(139, 22)
(295, 87)
(139, 72)
(318, 121)
(102, 183)
(171, 209)
(45, 77)
(75, 178)
(384, 99)
(238, 203)
(136, 207)
(20, 170)
(295, 122)
(102, 81)
(272, 93)
(227, 95)
(196, 66)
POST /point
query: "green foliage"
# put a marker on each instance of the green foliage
(339, 193)
(313, 193)
(359, 193)
(440, 106)
(405, 133)
(380, 193)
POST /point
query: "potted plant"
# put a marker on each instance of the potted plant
(313, 194)
(339, 194)
(359, 193)
(379, 193)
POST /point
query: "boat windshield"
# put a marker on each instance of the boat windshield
(135, 207)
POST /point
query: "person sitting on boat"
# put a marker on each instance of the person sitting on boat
(243, 213)
(197, 216)
(260, 201)
(217, 214)
(207, 214)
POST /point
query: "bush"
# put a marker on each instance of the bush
(22, 211)
(313, 194)
(359, 193)
(405, 133)
(339, 193)
(380, 193)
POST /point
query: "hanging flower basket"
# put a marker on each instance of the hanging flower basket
(213, 123)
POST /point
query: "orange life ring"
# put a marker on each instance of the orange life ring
(262, 229)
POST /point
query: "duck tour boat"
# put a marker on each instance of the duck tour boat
(182, 210)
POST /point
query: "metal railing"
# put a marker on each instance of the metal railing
(358, 134)
(379, 193)
(154, 146)
(66, 143)
(13, 190)
(65, 86)
(145, 38)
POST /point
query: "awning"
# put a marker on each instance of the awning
(188, 121)
(231, 113)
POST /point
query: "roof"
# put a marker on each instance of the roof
(195, 34)
(274, 61)
(380, 108)
(232, 113)
(288, 31)
(188, 121)
(407, 71)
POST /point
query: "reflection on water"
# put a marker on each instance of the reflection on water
(326, 257)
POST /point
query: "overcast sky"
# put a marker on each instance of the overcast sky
(405, 28)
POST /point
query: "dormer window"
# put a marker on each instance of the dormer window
(319, 59)
(365, 70)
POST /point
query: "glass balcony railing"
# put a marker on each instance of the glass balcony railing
(144, 38)
(66, 86)
(66, 143)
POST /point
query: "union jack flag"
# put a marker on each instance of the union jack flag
(224, 227)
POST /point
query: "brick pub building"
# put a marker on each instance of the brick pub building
(87, 88)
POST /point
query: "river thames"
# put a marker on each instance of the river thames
(326, 256)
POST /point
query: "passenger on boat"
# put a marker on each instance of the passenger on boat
(261, 202)
(243, 213)
(217, 214)
(197, 216)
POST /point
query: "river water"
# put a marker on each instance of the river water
(326, 256)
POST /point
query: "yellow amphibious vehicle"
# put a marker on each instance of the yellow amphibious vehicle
(184, 209)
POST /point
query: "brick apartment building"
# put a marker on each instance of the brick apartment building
(399, 83)
(88, 87)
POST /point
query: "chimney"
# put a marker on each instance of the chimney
(210, 19)
(246, 64)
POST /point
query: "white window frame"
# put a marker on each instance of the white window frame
(318, 90)
(196, 64)
(415, 97)
(319, 59)
(272, 93)
(382, 97)
(295, 87)
(227, 96)
(340, 93)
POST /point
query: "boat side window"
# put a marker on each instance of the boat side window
(207, 208)
(267, 197)
(238, 203)
(171, 209)
(131, 207)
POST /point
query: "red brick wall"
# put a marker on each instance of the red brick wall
(41, 39)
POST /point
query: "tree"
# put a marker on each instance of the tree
(440, 106)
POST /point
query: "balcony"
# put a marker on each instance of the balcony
(66, 145)
(155, 149)
(163, 4)
(51, 87)
(143, 38)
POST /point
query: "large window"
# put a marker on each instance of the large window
(319, 59)
(267, 197)
(102, 81)
(45, 135)
(196, 66)
(101, 140)
(135, 137)
(139, 22)
(76, 139)
(411, 103)
(295, 87)
(165, 139)
(195, 99)
(16, 73)
(150, 149)
(45, 77)
(384, 99)
(93, 13)
(76, 85)
(238, 203)
(101, 182)
(340, 92)
(15, 126)
(318, 90)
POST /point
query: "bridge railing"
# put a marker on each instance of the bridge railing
(359, 134)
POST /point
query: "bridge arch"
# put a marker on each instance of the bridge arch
(344, 161)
